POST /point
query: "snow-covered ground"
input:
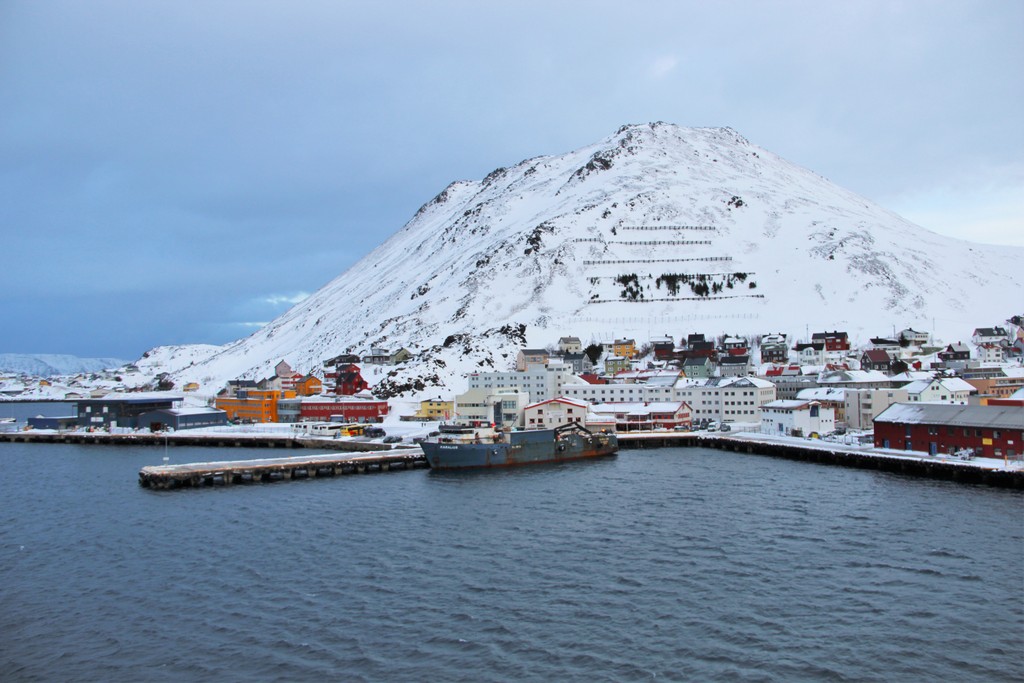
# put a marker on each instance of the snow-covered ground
(599, 243)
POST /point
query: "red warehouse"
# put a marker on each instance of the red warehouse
(988, 431)
(351, 410)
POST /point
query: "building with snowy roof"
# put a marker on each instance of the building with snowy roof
(726, 399)
(832, 397)
(540, 381)
(862, 406)
(797, 418)
(505, 407)
(986, 431)
(123, 410)
(864, 379)
(646, 416)
(555, 412)
(181, 418)
(939, 389)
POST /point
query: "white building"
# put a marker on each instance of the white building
(619, 392)
(645, 416)
(939, 390)
(829, 397)
(555, 412)
(541, 382)
(914, 337)
(726, 399)
(570, 345)
(503, 407)
(797, 418)
(862, 406)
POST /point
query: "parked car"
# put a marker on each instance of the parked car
(713, 426)
(392, 439)
(725, 428)
(375, 432)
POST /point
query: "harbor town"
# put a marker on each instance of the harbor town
(950, 408)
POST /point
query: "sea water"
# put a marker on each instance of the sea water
(674, 564)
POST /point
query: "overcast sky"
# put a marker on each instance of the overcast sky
(175, 172)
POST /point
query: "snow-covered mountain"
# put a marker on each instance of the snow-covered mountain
(654, 230)
(49, 365)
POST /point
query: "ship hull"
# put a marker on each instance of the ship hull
(523, 448)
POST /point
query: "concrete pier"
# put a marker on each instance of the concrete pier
(205, 440)
(824, 453)
(200, 474)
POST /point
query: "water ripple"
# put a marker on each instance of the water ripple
(660, 565)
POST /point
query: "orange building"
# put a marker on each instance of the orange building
(253, 405)
(309, 386)
(624, 348)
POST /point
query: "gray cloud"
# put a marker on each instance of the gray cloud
(168, 157)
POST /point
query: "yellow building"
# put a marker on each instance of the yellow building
(435, 409)
(624, 348)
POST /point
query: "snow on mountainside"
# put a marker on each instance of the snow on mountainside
(50, 365)
(654, 230)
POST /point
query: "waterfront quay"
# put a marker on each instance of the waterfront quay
(983, 471)
(200, 474)
(206, 440)
(988, 472)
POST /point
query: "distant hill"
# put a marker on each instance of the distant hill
(51, 365)
(654, 230)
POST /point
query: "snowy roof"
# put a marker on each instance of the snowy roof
(787, 404)
(957, 384)
(560, 399)
(724, 382)
(137, 397)
(822, 394)
(663, 379)
(198, 410)
(361, 397)
(953, 415)
(853, 376)
(911, 376)
(638, 407)
(947, 383)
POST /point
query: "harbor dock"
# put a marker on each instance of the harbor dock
(204, 440)
(830, 453)
(943, 467)
(200, 474)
